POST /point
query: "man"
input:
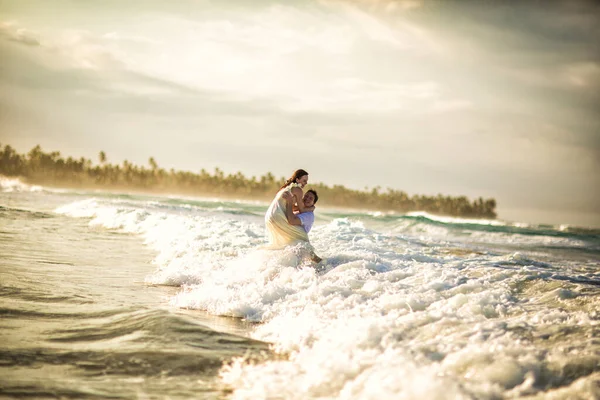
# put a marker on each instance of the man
(305, 219)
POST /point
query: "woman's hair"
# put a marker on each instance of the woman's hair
(299, 173)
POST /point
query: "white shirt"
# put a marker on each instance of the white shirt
(307, 219)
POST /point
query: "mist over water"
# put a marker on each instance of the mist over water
(404, 306)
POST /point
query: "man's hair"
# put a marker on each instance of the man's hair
(314, 192)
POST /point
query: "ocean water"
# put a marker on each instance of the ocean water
(135, 296)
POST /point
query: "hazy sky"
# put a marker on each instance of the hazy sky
(482, 98)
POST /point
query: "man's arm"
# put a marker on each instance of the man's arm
(289, 211)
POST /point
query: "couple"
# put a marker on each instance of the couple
(290, 216)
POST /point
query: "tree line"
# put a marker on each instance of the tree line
(50, 168)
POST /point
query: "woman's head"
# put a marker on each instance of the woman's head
(299, 176)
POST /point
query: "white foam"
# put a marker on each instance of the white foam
(15, 185)
(520, 239)
(431, 234)
(389, 319)
(456, 220)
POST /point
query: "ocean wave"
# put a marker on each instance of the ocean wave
(151, 343)
(11, 212)
(186, 243)
(500, 226)
(375, 317)
(416, 298)
(497, 234)
(456, 220)
(15, 185)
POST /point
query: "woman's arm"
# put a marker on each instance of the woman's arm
(298, 194)
(291, 217)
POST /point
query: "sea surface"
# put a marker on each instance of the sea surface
(123, 296)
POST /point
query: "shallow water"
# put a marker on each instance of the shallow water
(109, 295)
(78, 320)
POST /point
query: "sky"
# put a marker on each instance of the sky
(478, 98)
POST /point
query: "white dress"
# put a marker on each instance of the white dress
(279, 230)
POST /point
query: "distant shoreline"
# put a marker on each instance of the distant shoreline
(50, 169)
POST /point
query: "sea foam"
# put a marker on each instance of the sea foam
(389, 314)
(15, 185)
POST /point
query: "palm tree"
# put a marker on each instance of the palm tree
(153, 163)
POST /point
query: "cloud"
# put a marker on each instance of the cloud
(387, 6)
(132, 38)
(377, 31)
(73, 49)
(34, 82)
(348, 95)
(583, 74)
(300, 58)
(441, 106)
(11, 31)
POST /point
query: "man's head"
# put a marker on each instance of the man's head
(310, 198)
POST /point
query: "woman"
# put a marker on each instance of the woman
(279, 230)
